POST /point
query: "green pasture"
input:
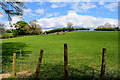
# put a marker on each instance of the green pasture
(84, 53)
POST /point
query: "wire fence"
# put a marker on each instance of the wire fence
(81, 65)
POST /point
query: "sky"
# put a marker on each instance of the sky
(51, 15)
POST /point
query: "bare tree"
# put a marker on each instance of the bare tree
(11, 8)
(35, 28)
(107, 25)
(69, 25)
(2, 30)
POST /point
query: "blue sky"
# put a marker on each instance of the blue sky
(98, 11)
(58, 14)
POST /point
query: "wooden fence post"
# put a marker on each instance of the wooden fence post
(65, 62)
(103, 63)
(13, 68)
(38, 65)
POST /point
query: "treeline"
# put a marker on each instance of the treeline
(64, 30)
(107, 29)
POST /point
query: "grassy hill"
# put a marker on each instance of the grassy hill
(84, 53)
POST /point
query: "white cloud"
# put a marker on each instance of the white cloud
(52, 14)
(87, 6)
(77, 20)
(57, 13)
(101, 3)
(32, 14)
(71, 11)
(1, 17)
(49, 14)
(75, 5)
(54, 6)
(82, 7)
(57, 5)
(65, 0)
(41, 3)
(41, 11)
(14, 20)
(112, 6)
(27, 11)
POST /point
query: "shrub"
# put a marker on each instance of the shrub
(7, 35)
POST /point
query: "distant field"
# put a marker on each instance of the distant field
(84, 53)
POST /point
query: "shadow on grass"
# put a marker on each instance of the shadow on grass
(12, 47)
(56, 72)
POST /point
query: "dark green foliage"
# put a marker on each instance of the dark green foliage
(65, 29)
(8, 31)
(71, 29)
(107, 29)
(20, 28)
(82, 29)
(15, 32)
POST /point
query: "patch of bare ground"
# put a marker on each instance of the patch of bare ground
(18, 74)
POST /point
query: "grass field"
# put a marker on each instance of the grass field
(84, 53)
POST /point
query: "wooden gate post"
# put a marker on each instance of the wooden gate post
(103, 63)
(13, 68)
(38, 65)
(65, 62)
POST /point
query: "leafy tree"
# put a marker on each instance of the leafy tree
(20, 27)
(11, 8)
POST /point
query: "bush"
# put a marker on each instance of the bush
(7, 35)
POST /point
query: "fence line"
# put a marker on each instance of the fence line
(104, 53)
